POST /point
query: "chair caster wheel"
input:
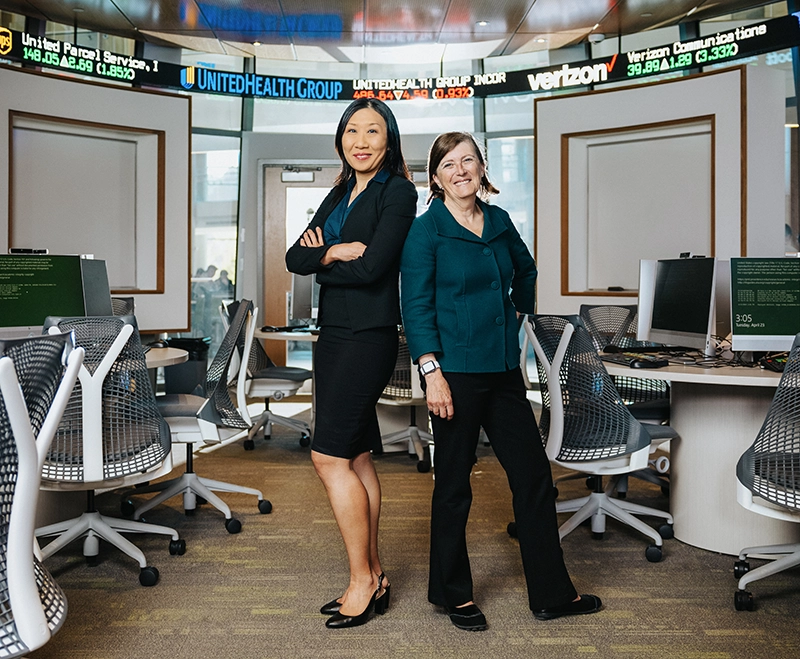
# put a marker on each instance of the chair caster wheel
(148, 576)
(264, 507)
(177, 547)
(305, 440)
(743, 601)
(511, 529)
(423, 466)
(249, 444)
(189, 512)
(653, 553)
(740, 568)
(127, 508)
(233, 525)
(598, 535)
(666, 532)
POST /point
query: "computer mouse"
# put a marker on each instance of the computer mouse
(646, 363)
(158, 344)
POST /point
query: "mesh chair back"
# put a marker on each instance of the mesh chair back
(609, 324)
(39, 369)
(122, 306)
(616, 325)
(226, 412)
(597, 424)
(400, 386)
(770, 468)
(135, 437)
(258, 359)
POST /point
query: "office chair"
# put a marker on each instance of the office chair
(610, 325)
(110, 435)
(34, 390)
(404, 390)
(587, 427)
(123, 306)
(259, 377)
(768, 478)
(212, 420)
(647, 399)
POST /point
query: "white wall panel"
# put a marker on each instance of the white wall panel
(745, 106)
(78, 187)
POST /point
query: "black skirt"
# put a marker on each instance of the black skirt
(351, 370)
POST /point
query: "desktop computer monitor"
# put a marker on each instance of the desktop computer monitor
(765, 303)
(34, 286)
(681, 302)
(305, 298)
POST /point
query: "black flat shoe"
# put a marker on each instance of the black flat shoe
(586, 604)
(469, 617)
(331, 607)
(338, 621)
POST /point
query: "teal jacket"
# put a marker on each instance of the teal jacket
(460, 293)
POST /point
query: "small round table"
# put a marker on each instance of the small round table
(157, 357)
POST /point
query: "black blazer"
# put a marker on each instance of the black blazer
(380, 219)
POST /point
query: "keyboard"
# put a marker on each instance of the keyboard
(635, 359)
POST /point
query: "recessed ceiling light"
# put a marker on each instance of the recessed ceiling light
(482, 23)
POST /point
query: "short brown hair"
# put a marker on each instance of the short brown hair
(443, 145)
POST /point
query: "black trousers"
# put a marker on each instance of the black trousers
(497, 402)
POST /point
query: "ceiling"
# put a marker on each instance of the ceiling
(346, 30)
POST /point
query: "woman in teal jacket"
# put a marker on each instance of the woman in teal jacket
(465, 273)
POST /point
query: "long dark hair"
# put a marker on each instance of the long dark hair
(443, 145)
(393, 161)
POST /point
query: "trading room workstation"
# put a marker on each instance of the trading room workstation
(722, 330)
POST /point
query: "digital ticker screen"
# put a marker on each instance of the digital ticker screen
(726, 46)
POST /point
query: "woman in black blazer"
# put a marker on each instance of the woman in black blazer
(353, 245)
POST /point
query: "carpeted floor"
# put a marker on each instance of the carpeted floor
(256, 594)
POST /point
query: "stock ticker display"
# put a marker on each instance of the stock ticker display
(727, 46)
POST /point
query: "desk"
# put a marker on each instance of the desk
(287, 336)
(299, 335)
(718, 413)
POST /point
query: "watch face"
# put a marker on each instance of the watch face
(428, 367)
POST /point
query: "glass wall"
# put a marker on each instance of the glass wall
(215, 194)
(510, 168)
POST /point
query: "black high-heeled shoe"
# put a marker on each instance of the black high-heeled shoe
(381, 604)
(339, 621)
(331, 607)
(382, 601)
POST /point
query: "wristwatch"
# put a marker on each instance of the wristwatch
(428, 367)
